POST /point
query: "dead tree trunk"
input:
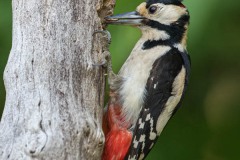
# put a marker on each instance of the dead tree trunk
(54, 98)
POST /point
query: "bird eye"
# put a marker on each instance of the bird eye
(152, 9)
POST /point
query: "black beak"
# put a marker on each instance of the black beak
(130, 18)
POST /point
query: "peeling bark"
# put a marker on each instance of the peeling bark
(54, 98)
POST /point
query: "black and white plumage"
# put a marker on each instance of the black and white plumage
(159, 90)
(154, 78)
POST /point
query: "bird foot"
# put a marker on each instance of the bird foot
(107, 60)
(106, 38)
(106, 41)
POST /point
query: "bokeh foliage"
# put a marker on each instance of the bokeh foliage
(206, 127)
(5, 43)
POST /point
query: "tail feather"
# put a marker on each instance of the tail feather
(117, 136)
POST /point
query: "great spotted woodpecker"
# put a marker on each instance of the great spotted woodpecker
(151, 84)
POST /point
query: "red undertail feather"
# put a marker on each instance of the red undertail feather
(117, 136)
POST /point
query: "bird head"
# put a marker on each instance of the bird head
(170, 17)
(162, 11)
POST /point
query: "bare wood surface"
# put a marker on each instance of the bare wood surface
(54, 98)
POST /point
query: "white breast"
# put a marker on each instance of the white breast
(135, 73)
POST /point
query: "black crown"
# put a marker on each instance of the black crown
(175, 2)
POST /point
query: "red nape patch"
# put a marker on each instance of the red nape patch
(181, 5)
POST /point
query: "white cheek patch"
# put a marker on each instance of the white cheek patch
(168, 14)
(154, 34)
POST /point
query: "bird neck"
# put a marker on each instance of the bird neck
(155, 33)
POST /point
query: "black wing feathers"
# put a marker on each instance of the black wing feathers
(159, 88)
(187, 65)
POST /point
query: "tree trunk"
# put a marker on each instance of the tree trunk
(54, 98)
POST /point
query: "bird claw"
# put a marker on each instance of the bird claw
(112, 77)
(105, 40)
(106, 37)
(103, 64)
(107, 62)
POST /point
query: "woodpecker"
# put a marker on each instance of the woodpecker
(150, 85)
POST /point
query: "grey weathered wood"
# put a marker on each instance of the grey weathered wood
(54, 94)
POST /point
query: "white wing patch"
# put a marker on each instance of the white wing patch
(155, 85)
(142, 138)
(141, 124)
(132, 158)
(153, 135)
(148, 117)
(135, 143)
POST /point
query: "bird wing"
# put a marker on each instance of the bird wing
(169, 74)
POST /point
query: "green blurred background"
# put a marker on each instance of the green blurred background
(207, 125)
